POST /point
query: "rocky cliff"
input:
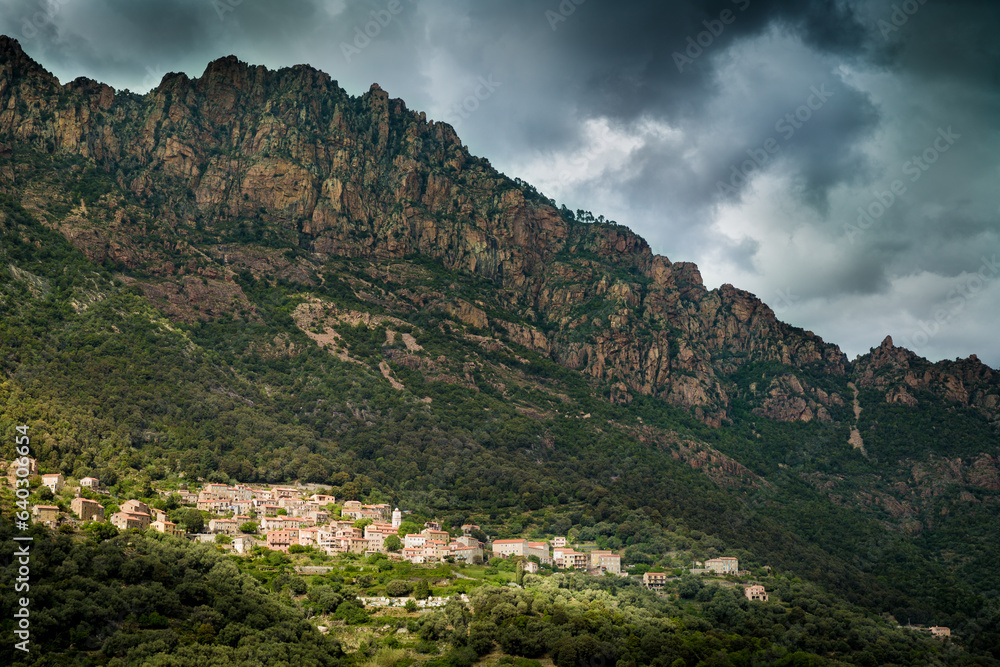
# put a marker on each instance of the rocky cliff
(905, 378)
(277, 173)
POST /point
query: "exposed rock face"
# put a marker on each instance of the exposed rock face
(289, 153)
(788, 399)
(902, 375)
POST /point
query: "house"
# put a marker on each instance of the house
(539, 550)
(243, 544)
(279, 492)
(214, 491)
(531, 567)
(318, 516)
(558, 542)
(654, 579)
(30, 470)
(280, 540)
(723, 565)
(508, 548)
(354, 545)
(282, 523)
(356, 510)
(376, 533)
(91, 483)
(187, 498)
(323, 499)
(130, 520)
(135, 507)
(159, 515)
(414, 540)
(326, 540)
(755, 592)
(47, 514)
(308, 537)
(606, 561)
(54, 481)
(436, 534)
(414, 554)
(214, 505)
(466, 554)
(568, 558)
(468, 541)
(468, 528)
(87, 510)
(240, 506)
(166, 527)
(940, 631)
(223, 526)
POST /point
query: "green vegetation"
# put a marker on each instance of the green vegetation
(134, 599)
(482, 431)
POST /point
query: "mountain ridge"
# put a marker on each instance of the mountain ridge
(455, 209)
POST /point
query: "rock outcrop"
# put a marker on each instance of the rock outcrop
(288, 159)
(902, 376)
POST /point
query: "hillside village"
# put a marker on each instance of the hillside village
(289, 519)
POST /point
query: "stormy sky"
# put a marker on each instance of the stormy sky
(838, 158)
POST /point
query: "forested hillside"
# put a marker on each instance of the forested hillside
(254, 277)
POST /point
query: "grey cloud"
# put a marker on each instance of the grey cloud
(615, 62)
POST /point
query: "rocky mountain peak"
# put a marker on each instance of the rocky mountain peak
(10, 48)
(289, 153)
(15, 63)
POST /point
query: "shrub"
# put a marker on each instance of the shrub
(398, 588)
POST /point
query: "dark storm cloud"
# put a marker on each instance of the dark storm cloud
(639, 110)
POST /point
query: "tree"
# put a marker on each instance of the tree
(393, 543)
(101, 531)
(248, 527)
(422, 590)
(398, 588)
(193, 521)
(407, 528)
(361, 523)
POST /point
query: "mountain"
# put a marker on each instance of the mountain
(253, 275)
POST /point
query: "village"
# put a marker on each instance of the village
(288, 519)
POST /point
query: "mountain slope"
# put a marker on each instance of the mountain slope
(253, 275)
